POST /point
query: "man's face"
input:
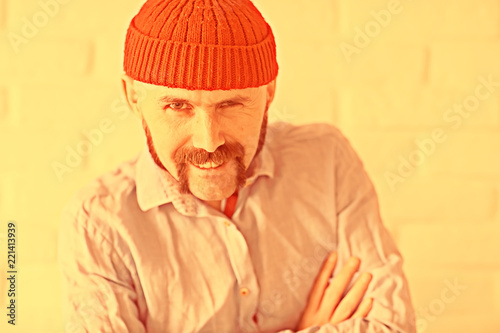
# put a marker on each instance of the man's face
(204, 139)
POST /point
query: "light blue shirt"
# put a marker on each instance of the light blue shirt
(138, 256)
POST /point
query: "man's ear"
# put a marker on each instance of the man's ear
(271, 90)
(130, 93)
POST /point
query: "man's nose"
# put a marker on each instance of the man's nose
(206, 132)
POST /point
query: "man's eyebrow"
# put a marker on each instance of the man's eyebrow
(236, 99)
(172, 99)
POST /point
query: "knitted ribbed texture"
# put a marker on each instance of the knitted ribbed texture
(200, 45)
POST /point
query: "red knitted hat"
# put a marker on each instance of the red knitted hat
(200, 45)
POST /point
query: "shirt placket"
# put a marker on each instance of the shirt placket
(246, 279)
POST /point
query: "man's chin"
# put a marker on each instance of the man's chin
(212, 194)
(213, 184)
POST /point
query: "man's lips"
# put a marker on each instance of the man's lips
(208, 166)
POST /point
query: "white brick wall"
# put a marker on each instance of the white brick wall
(387, 85)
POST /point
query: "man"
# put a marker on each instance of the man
(225, 224)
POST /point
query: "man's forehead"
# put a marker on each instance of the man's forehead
(196, 96)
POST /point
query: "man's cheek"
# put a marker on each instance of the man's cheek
(165, 154)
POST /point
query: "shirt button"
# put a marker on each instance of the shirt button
(244, 291)
(227, 223)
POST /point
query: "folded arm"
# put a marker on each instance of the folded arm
(360, 233)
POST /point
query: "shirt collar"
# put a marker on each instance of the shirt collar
(156, 187)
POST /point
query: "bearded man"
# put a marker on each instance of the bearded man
(226, 224)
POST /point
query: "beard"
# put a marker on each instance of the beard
(226, 152)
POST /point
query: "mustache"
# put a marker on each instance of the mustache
(224, 153)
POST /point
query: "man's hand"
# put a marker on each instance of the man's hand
(326, 304)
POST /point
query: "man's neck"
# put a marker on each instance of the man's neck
(215, 204)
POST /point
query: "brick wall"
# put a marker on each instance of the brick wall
(413, 84)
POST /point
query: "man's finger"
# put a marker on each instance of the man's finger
(333, 294)
(364, 308)
(322, 281)
(352, 299)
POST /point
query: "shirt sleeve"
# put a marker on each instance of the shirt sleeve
(361, 233)
(98, 290)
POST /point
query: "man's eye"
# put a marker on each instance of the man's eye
(229, 105)
(177, 106)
